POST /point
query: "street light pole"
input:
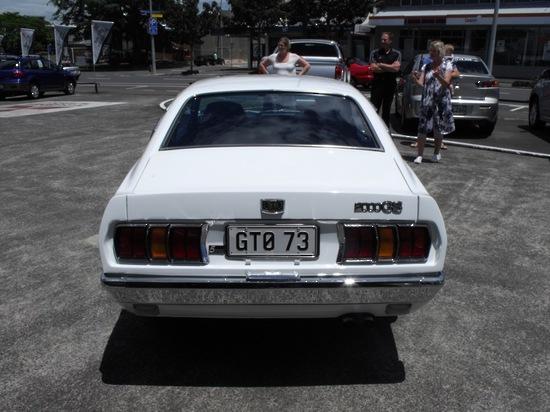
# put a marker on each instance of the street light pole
(153, 52)
(493, 37)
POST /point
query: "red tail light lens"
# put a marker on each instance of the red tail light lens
(361, 243)
(338, 72)
(414, 242)
(385, 243)
(185, 244)
(18, 74)
(130, 242)
(487, 83)
(161, 244)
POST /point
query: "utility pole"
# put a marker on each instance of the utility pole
(153, 53)
(493, 37)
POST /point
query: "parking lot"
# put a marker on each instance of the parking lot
(481, 344)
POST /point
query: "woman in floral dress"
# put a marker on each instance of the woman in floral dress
(436, 114)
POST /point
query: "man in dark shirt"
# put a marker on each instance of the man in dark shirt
(385, 63)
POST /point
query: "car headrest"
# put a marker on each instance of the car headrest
(224, 109)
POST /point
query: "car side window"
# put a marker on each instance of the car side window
(47, 64)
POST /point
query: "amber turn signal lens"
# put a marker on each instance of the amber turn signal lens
(386, 243)
(157, 242)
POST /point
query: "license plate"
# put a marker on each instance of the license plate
(272, 240)
(459, 109)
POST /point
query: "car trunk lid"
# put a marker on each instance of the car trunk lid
(229, 183)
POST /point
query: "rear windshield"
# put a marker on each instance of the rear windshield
(314, 49)
(270, 118)
(471, 67)
(8, 64)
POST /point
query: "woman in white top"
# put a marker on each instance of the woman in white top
(283, 61)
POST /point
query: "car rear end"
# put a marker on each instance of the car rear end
(475, 93)
(14, 79)
(324, 56)
(234, 229)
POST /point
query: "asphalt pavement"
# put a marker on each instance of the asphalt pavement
(481, 344)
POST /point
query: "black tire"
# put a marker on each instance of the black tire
(487, 128)
(352, 81)
(534, 115)
(2, 97)
(70, 87)
(34, 91)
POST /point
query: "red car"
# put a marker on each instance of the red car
(360, 72)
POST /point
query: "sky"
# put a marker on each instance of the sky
(29, 8)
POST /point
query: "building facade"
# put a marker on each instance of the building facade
(522, 47)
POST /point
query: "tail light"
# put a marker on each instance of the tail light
(487, 83)
(384, 243)
(338, 71)
(159, 243)
(18, 74)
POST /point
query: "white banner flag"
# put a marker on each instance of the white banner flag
(60, 35)
(100, 32)
(26, 41)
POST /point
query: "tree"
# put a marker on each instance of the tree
(328, 13)
(188, 25)
(257, 17)
(10, 23)
(129, 24)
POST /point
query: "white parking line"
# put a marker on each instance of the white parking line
(518, 108)
(163, 105)
(26, 109)
(136, 87)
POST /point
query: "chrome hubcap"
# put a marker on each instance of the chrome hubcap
(34, 91)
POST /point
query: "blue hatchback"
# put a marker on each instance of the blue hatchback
(33, 76)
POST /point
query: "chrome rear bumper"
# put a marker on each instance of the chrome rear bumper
(328, 296)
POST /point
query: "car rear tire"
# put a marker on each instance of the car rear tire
(34, 91)
(487, 128)
(70, 88)
(534, 115)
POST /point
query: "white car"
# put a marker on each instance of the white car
(272, 196)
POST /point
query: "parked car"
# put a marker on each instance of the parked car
(271, 196)
(33, 76)
(539, 101)
(324, 56)
(360, 72)
(210, 59)
(475, 94)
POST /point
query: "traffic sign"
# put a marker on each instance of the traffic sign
(153, 28)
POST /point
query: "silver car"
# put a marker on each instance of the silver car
(324, 56)
(475, 93)
(539, 102)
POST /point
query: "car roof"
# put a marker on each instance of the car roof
(244, 83)
(321, 41)
(460, 56)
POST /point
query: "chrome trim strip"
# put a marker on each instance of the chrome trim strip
(310, 281)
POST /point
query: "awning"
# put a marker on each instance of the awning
(507, 16)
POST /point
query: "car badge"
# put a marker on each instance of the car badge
(273, 206)
(386, 207)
